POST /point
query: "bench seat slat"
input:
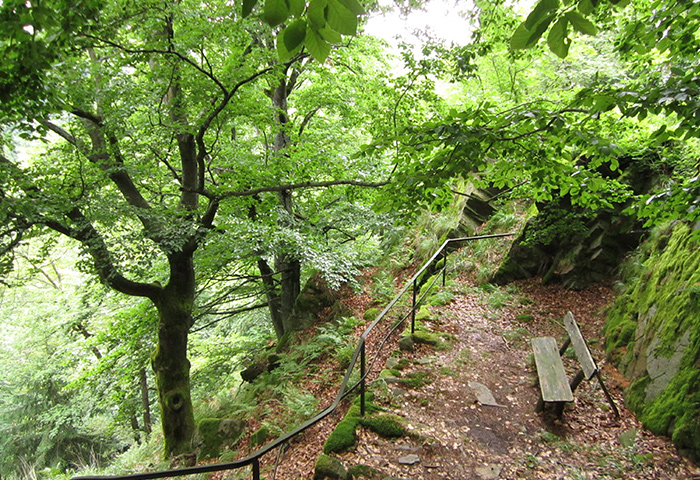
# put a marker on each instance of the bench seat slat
(582, 352)
(550, 369)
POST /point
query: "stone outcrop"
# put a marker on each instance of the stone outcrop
(567, 244)
(653, 335)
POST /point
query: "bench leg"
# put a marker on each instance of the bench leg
(607, 395)
(540, 405)
(559, 409)
(576, 381)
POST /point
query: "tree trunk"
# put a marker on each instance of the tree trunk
(273, 297)
(282, 296)
(170, 363)
(145, 402)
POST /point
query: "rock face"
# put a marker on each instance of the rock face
(567, 244)
(478, 208)
(574, 246)
(653, 334)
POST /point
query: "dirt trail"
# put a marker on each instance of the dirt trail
(454, 436)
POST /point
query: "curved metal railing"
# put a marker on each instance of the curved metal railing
(360, 353)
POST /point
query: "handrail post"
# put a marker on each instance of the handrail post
(256, 469)
(362, 379)
(413, 308)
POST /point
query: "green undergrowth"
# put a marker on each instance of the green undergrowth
(278, 395)
(660, 310)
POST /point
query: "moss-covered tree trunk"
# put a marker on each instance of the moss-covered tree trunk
(170, 363)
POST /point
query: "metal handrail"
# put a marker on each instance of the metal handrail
(254, 458)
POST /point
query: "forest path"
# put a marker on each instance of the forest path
(454, 436)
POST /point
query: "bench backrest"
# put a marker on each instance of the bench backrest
(582, 352)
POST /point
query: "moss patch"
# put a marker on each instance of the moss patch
(343, 437)
(209, 437)
(427, 338)
(214, 433)
(423, 313)
(359, 472)
(416, 380)
(371, 314)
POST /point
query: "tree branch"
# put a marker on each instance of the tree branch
(86, 234)
(142, 51)
(307, 118)
(231, 313)
(204, 127)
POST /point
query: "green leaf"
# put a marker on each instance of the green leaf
(524, 38)
(354, 6)
(296, 7)
(248, 6)
(294, 35)
(341, 19)
(316, 45)
(275, 12)
(540, 12)
(283, 52)
(586, 7)
(331, 36)
(317, 13)
(520, 37)
(581, 24)
(557, 39)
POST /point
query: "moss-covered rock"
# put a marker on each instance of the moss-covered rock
(406, 344)
(415, 380)
(209, 439)
(568, 244)
(653, 335)
(214, 433)
(329, 467)
(426, 338)
(385, 425)
(364, 472)
(343, 437)
(314, 297)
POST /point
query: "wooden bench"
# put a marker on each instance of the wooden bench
(554, 384)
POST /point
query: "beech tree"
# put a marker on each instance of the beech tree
(168, 129)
